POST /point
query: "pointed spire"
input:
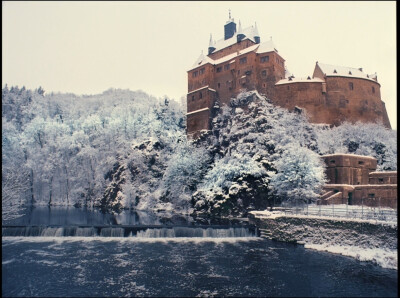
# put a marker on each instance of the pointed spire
(240, 34)
(256, 35)
(211, 45)
(256, 30)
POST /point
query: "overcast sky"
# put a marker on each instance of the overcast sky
(88, 47)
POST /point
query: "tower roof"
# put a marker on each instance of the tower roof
(255, 31)
(223, 43)
(343, 71)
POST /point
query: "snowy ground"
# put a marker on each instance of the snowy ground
(383, 256)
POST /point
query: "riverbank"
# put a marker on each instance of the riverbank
(365, 240)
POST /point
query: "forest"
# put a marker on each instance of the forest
(127, 149)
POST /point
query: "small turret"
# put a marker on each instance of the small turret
(211, 46)
(256, 35)
(240, 34)
(230, 27)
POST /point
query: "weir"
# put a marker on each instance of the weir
(148, 231)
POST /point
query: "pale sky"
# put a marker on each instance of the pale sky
(89, 47)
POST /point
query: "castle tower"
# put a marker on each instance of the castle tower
(230, 27)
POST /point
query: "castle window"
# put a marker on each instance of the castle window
(219, 69)
(201, 95)
(194, 74)
(351, 86)
(219, 85)
(381, 180)
(243, 60)
(201, 71)
(360, 162)
(373, 89)
(264, 59)
(227, 66)
(264, 73)
(371, 195)
(264, 85)
(192, 97)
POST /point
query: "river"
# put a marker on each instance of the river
(183, 257)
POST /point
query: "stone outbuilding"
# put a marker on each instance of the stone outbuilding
(353, 180)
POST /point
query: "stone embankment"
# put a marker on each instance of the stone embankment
(366, 240)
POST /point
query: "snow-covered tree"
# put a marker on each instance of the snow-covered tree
(300, 176)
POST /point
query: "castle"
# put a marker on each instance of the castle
(240, 61)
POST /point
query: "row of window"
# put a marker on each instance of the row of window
(242, 60)
(351, 87)
(200, 96)
(199, 72)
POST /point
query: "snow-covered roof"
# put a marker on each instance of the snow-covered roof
(299, 80)
(385, 172)
(236, 54)
(345, 154)
(249, 32)
(197, 111)
(202, 60)
(266, 46)
(198, 89)
(343, 71)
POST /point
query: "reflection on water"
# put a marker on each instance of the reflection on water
(62, 216)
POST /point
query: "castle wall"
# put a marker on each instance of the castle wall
(268, 73)
(199, 106)
(307, 95)
(197, 121)
(375, 195)
(354, 99)
(200, 77)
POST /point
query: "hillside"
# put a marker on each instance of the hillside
(125, 149)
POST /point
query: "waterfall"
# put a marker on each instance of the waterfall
(130, 231)
(175, 232)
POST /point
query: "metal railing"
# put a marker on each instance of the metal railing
(343, 211)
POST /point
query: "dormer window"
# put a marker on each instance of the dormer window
(350, 73)
(334, 71)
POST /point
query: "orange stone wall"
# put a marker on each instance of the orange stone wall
(389, 177)
(348, 169)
